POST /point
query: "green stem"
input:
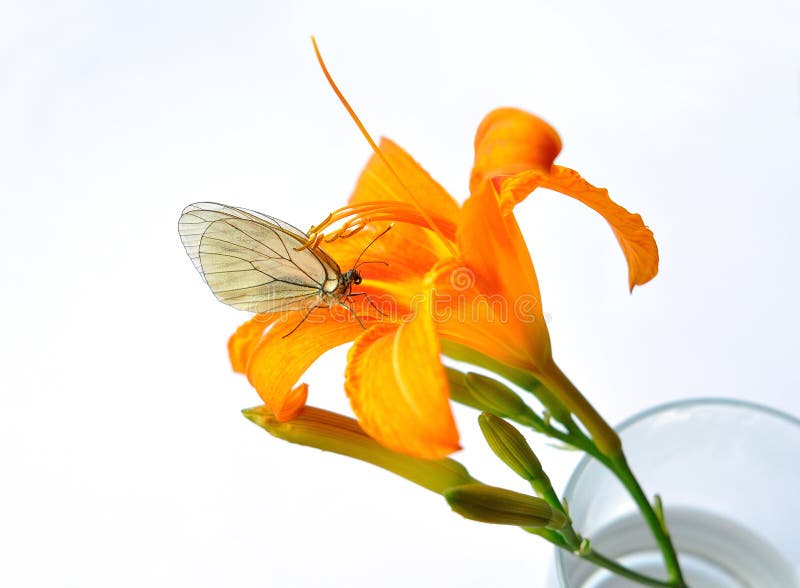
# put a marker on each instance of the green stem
(545, 490)
(603, 435)
(597, 559)
(619, 466)
(606, 448)
(620, 570)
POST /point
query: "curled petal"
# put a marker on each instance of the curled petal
(636, 240)
(279, 359)
(398, 389)
(294, 404)
(509, 141)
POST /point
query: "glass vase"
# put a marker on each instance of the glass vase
(728, 473)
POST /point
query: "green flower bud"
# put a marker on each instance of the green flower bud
(459, 392)
(496, 397)
(489, 504)
(510, 446)
(524, 379)
(333, 432)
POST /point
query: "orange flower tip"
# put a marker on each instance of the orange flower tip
(509, 141)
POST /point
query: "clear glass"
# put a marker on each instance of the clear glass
(728, 473)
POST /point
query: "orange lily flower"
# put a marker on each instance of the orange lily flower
(459, 273)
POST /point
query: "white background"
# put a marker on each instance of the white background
(123, 456)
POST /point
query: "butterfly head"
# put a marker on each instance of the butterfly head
(351, 277)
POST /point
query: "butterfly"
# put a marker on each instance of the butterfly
(261, 264)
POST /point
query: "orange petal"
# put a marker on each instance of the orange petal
(509, 141)
(398, 389)
(493, 246)
(494, 249)
(279, 359)
(242, 343)
(636, 240)
(508, 328)
(377, 182)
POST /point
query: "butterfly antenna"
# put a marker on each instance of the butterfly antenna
(386, 263)
(378, 236)
(377, 150)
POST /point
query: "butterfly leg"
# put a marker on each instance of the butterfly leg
(352, 310)
(369, 300)
(305, 316)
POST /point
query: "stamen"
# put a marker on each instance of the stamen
(313, 229)
(349, 229)
(312, 242)
(356, 217)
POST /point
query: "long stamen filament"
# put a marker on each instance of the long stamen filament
(448, 244)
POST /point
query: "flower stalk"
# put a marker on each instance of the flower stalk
(652, 515)
(603, 435)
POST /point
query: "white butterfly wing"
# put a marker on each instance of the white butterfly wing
(249, 259)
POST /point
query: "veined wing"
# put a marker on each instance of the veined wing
(249, 259)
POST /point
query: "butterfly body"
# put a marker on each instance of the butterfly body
(336, 291)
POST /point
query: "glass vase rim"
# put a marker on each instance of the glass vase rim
(635, 418)
(683, 403)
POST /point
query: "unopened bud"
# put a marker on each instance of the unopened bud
(459, 392)
(496, 397)
(489, 504)
(510, 446)
(333, 432)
